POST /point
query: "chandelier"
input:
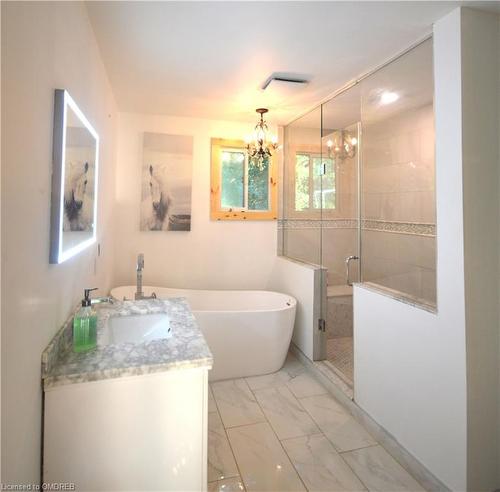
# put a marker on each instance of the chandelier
(260, 144)
(342, 145)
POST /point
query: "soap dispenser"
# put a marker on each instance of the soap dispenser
(85, 325)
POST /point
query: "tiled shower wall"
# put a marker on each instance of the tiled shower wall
(398, 168)
(330, 239)
(398, 197)
(398, 211)
(339, 241)
(397, 215)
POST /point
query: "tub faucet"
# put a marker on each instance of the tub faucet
(139, 294)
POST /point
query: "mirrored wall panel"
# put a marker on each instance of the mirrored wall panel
(74, 180)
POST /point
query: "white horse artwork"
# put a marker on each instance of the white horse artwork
(166, 183)
(78, 199)
(158, 202)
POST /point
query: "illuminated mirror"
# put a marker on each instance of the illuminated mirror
(74, 180)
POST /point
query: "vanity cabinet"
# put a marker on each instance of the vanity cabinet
(144, 432)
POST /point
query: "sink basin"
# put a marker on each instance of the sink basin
(136, 328)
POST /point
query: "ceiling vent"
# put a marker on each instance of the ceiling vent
(291, 81)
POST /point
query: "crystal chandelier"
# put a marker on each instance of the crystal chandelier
(260, 144)
(342, 145)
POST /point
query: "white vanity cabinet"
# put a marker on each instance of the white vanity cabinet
(140, 433)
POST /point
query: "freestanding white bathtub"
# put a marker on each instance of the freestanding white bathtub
(248, 331)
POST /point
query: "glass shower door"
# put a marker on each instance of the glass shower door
(340, 235)
(302, 208)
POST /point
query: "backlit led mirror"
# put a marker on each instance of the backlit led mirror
(74, 180)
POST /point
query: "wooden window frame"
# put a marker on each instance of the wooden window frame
(237, 213)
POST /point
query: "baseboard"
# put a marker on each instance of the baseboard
(426, 478)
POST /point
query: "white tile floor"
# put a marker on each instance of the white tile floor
(284, 432)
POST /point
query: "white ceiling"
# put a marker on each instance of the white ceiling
(209, 59)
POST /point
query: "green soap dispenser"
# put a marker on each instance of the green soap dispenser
(85, 326)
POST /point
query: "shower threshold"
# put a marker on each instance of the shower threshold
(329, 371)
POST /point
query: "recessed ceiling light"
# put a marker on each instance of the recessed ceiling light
(388, 97)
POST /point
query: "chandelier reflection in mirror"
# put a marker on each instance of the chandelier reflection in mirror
(341, 145)
(260, 144)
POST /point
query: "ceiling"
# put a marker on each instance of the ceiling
(410, 77)
(209, 59)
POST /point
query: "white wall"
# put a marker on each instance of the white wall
(410, 364)
(214, 254)
(44, 46)
(443, 402)
(480, 133)
(302, 281)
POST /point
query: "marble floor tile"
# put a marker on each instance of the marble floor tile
(236, 403)
(221, 462)
(379, 471)
(320, 466)
(212, 407)
(336, 423)
(263, 463)
(268, 380)
(228, 485)
(305, 385)
(291, 368)
(285, 414)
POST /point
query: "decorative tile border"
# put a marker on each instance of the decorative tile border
(420, 229)
(316, 223)
(413, 228)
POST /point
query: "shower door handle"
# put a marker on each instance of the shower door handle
(347, 264)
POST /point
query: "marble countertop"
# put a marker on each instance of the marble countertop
(186, 348)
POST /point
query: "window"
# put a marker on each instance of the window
(313, 189)
(241, 189)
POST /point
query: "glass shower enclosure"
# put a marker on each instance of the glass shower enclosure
(320, 212)
(358, 196)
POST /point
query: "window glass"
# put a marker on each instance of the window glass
(241, 188)
(258, 185)
(316, 168)
(323, 187)
(232, 179)
(329, 191)
(302, 182)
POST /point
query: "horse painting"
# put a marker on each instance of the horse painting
(75, 198)
(160, 202)
(166, 182)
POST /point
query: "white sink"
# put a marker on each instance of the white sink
(136, 328)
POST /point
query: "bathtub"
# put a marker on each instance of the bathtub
(248, 331)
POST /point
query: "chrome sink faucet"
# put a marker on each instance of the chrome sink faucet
(139, 294)
(100, 300)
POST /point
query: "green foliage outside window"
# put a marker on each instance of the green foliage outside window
(233, 189)
(302, 182)
(258, 185)
(233, 179)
